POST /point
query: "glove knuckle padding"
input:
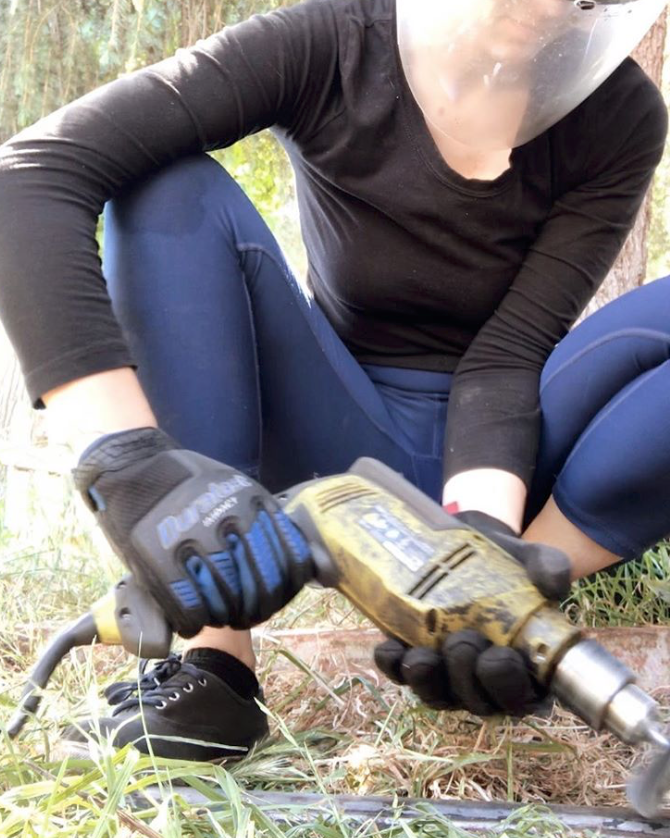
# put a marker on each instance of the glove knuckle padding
(262, 585)
(296, 544)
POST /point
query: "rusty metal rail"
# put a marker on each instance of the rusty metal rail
(297, 808)
(646, 650)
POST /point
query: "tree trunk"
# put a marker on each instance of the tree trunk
(629, 270)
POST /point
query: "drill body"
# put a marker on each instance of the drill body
(417, 572)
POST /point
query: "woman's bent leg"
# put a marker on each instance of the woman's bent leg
(236, 361)
(605, 447)
(177, 288)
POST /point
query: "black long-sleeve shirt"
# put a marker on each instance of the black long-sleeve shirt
(414, 265)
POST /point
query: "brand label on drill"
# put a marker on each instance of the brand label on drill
(396, 538)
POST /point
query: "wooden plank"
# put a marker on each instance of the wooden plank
(53, 460)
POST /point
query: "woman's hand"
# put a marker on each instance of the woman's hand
(468, 671)
(209, 543)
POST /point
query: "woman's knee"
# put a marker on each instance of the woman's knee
(589, 370)
(613, 485)
(634, 325)
(177, 199)
(603, 355)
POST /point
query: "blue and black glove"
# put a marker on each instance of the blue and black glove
(209, 543)
(469, 672)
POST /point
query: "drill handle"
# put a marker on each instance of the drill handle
(129, 616)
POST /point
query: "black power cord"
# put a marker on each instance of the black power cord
(80, 633)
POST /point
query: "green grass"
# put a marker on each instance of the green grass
(101, 798)
(632, 594)
(356, 734)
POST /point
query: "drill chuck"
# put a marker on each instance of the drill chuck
(600, 689)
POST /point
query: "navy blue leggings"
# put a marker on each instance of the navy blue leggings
(240, 364)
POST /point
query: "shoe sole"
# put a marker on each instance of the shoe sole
(68, 749)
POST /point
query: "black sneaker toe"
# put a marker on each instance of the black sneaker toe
(191, 715)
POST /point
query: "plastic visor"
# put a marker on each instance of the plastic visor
(493, 74)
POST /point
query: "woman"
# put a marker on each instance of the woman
(465, 182)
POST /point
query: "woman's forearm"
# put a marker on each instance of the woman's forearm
(494, 491)
(503, 495)
(85, 409)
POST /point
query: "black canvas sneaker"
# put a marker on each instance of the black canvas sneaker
(184, 711)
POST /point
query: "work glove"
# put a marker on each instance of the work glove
(469, 672)
(209, 543)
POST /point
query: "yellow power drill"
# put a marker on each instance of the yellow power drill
(418, 574)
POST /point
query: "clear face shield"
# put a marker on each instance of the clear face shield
(494, 74)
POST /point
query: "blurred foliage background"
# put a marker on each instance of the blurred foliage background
(53, 51)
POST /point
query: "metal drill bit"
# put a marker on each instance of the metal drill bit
(647, 789)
